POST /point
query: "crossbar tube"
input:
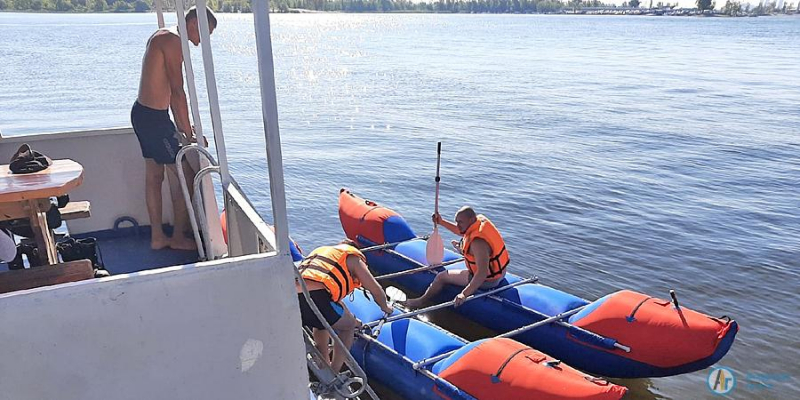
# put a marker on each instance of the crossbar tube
(385, 245)
(580, 333)
(451, 302)
(423, 268)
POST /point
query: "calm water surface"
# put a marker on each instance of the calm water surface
(612, 152)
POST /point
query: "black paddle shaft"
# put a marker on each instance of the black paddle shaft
(674, 299)
(438, 160)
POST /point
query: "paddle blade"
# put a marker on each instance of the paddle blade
(434, 250)
(396, 295)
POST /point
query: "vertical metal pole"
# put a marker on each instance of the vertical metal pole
(213, 97)
(187, 65)
(190, 83)
(269, 112)
(159, 14)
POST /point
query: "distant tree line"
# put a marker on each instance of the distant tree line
(77, 5)
(443, 6)
(735, 8)
(356, 6)
(731, 7)
(105, 5)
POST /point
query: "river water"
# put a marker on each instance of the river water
(648, 153)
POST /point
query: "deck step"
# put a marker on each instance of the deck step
(72, 271)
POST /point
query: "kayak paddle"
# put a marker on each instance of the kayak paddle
(434, 250)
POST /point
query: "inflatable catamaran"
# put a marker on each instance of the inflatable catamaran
(624, 334)
(419, 360)
(397, 355)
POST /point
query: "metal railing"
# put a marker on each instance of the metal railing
(194, 205)
(247, 232)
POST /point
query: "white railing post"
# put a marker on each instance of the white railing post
(187, 65)
(202, 19)
(269, 111)
(213, 97)
(159, 14)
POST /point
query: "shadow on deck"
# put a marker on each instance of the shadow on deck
(127, 250)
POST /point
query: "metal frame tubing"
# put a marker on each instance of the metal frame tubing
(159, 14)
(451, 302)
(269, 110)
(349, 360)
(180, 10)
(211, 87)
(187, 196)
(385, 245)
(198, 201)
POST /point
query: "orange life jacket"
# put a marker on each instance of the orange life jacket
(498, 259)
(328, 265)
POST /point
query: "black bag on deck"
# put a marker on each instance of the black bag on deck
(72, 249)
(29, 250)
(27, 160)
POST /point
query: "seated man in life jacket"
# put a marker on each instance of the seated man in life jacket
(484, 253)
(332, 273)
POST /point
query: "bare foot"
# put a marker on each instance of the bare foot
(159, 243)
(182, 243)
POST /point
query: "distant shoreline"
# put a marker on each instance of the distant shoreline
(609, 12)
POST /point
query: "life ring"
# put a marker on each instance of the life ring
(223, 220)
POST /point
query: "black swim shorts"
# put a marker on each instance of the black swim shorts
(331, 310)
(158, 137)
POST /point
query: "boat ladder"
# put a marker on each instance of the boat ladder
(350, 384)
(196, 203)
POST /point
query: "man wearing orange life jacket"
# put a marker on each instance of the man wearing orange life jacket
(332, 273)
(484, 253)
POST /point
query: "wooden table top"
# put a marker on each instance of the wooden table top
(59, 179)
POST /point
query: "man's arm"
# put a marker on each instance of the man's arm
(450, 226)
(173, 58)
(360, 270)
(480, 250)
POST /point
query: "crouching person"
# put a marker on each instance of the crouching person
(332, 273)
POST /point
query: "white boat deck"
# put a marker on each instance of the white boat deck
(169, 329)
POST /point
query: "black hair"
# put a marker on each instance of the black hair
(349, 242)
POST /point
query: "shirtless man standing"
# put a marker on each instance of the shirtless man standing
(161, 88)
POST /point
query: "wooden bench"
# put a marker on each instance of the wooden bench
(45, 275)
(76, 210)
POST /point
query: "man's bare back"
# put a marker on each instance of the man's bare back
(161, 62)
(154, 91)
